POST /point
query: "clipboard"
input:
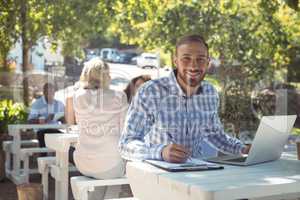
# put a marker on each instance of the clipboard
(193, 165)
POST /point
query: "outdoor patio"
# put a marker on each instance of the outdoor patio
(216, 72)
(8, 189)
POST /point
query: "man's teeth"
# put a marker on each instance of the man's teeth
(193, 73)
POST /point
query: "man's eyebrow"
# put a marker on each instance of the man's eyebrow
(199, 55)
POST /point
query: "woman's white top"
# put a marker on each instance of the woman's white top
(100, 115)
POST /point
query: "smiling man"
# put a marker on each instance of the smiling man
(175, 117)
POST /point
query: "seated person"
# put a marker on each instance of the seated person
(43, 111)
(69, 110)
(134, 85)
(176, 117)
(130, 91)
(99, 113)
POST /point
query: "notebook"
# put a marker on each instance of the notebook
(190, 165)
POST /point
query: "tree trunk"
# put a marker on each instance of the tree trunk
(30, 191)
(5, 75)
(25, 76)
(4, 59)
(25, 52)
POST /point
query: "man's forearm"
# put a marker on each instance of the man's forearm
(226, 143)
(137, 150)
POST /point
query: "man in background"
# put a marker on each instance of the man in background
(43, 111)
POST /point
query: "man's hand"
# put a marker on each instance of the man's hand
(246, 149)
(50, 118)
(175, 153)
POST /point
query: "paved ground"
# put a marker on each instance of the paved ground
(8, 189)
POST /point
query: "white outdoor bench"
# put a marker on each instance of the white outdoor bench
(25, 154)
(7, 147)
(14, 130)
(44, 164)
(60, 170)
(82, 185)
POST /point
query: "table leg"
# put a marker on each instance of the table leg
(57, 189)
(64, 174)
(16, 153)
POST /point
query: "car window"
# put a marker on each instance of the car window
(150, 57)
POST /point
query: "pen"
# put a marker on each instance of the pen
(171, 138)
(173, 142)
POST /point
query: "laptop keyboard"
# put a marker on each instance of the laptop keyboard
(241, 159)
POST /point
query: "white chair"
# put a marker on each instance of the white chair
(82, 185)
(26, 153)
(44, 164)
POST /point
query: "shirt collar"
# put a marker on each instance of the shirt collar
(178, 89)
(45, 102)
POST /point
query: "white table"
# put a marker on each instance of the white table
(15, 132)
(61, 144)
(281, 177)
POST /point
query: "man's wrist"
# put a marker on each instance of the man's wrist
(242, 149)
(246, 149)
(159, 150)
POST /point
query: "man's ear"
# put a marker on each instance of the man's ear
(209, 62)
(175, 60)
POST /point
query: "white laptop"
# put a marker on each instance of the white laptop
(268, 144)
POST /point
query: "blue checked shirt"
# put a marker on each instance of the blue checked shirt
(161, 114)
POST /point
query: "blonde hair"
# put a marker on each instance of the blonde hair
(95, 74)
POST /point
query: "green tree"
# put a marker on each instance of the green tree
(71, 22)
(249, 37)
(7, 31)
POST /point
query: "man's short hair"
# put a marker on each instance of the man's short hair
(48, 86)
(191, 38)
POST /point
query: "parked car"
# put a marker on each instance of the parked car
(109, 54)
(134, 60)
(125, 57)
(148, 60)
(90, 54)
(115, 57)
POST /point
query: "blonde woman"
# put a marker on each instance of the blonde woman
(100, 113)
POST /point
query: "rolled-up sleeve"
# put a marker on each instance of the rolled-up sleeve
(215, 135)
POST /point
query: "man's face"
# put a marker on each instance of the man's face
(49, 94)
(191, 61)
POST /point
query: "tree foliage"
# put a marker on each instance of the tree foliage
(253, 39)
(247, 32)
(260, 36)
(7, 30)
(71, 22)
